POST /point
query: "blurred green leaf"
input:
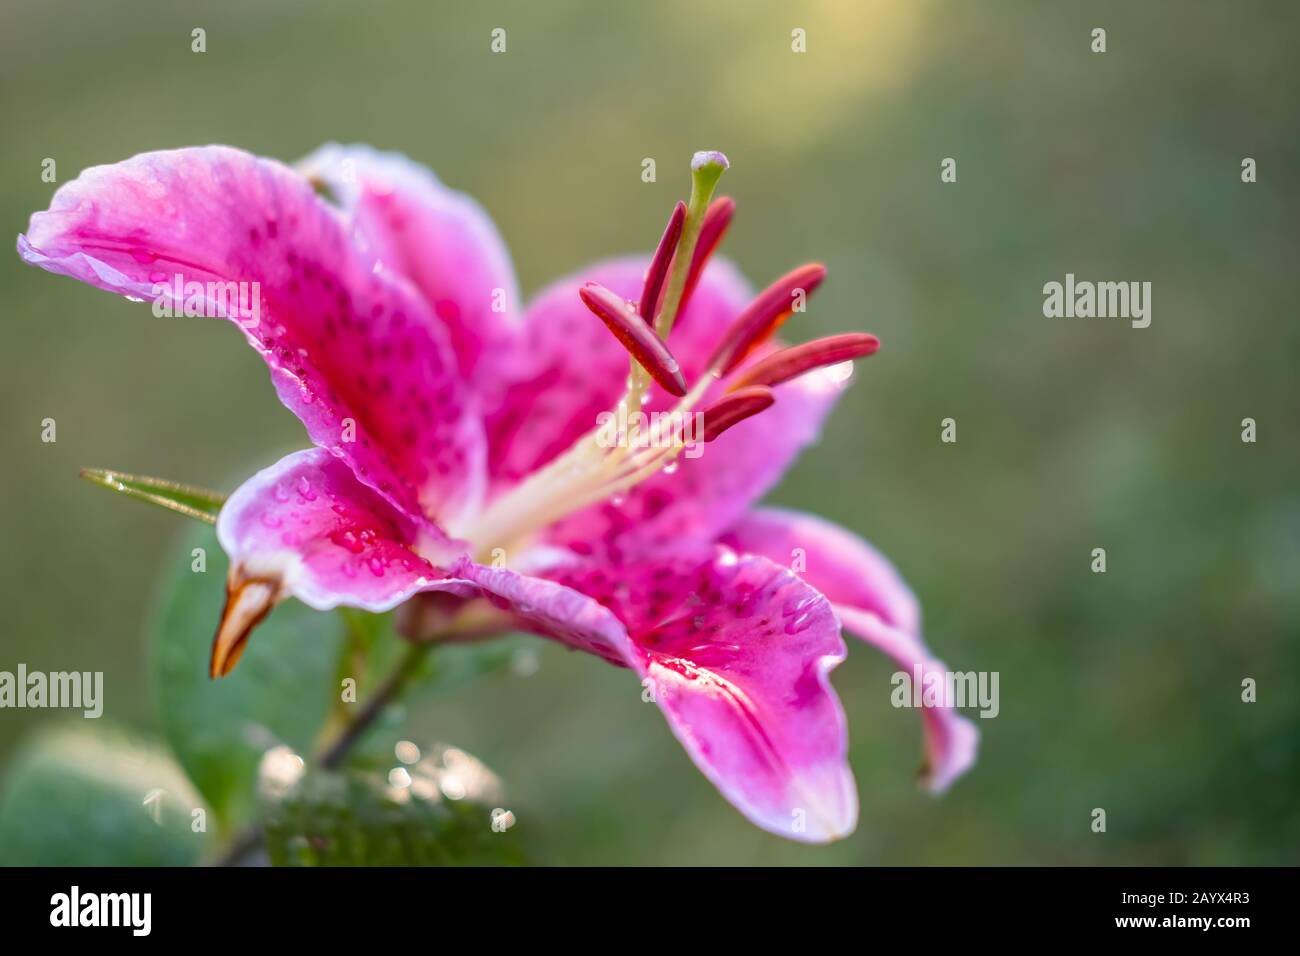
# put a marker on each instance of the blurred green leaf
(279, 693)
(373, 650)
(365, 818)
(188, 500)
(89, 796)
(287, 688)
(378, 648)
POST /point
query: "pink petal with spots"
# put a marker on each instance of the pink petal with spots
(874, 603)
(737, 651)
(307, 523)
(838, 563)
(440, 239)
(354, 352)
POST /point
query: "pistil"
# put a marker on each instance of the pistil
(707, 168)
(717, 219)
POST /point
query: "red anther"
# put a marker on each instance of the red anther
(788, 363)
(764, 315)
(717, 219)
(734, 408)
(663, 257)
(635, 335)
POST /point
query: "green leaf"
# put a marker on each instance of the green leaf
(89, 796)
(279, 694)
(188, 500)
(361, 818)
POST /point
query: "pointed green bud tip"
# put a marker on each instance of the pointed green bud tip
(199, 503)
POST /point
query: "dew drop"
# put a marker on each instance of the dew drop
(348, 540)
(799, 623)
(796, 605)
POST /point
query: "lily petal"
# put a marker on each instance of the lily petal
(354, 351)
(440, 239)
(872, 602)
(306, 525)
(951, 741)
(838, 563)
(737, 652)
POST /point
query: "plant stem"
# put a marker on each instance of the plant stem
(332, 755)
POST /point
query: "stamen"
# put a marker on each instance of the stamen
(596, 468)
(658, 272)
(788, 363)
(635, 335)
(764, 316)
(248, 600)
(716, 222)
(734, 408)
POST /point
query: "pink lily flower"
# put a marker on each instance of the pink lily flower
(460, 464)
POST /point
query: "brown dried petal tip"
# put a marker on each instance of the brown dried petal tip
(248, 601)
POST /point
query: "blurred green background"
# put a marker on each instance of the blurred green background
(1119, 690)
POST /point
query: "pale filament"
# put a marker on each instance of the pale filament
(585, 474)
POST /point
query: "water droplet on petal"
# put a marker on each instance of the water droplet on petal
(799, 623)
